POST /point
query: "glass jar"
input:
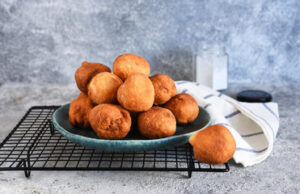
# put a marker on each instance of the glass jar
(211, 66)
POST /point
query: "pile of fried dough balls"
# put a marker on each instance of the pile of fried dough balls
(110, 103)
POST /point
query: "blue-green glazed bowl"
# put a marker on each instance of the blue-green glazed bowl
(133, 142)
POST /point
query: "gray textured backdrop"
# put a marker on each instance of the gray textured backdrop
(45, 41)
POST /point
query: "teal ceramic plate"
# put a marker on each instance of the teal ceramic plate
(133, 142)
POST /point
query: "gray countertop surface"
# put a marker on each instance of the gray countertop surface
(279, 173)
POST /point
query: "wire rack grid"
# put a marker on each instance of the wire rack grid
(34, 144)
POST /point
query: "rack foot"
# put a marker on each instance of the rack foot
(26, 166)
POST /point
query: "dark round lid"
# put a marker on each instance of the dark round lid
(254, 96)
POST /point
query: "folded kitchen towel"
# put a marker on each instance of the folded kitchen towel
(253, 125)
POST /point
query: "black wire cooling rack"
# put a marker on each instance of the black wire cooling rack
(34, 144)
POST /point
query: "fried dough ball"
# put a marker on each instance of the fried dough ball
(213, 145)
(79, 111)
(103, 88)
(110, 121)
(136, 94)
(128, 64)
(184, 107)
(86, 72)
(164, 87)
(157, 123)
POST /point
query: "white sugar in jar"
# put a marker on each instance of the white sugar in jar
(211, 66)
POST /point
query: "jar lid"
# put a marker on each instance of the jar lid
(254, 96)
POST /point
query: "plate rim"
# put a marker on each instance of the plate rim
(67, 134)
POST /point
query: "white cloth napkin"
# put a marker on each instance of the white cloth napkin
(253, 125)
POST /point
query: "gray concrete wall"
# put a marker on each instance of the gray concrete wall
(45, 41)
